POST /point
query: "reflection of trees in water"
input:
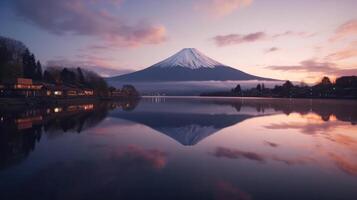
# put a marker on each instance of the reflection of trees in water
(17, 145)
(342, 110)
(22, 128)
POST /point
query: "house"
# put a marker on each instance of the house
(20, 87)
(51, 90)
(116, 93)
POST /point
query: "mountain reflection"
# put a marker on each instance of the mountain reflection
(187, 129)
(22, 128)
(189, 121)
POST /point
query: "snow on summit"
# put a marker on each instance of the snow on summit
(190, 58)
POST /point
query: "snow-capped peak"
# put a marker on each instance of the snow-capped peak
(190, 58)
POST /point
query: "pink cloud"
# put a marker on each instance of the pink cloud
(225, 190)
(221, 8)
(347, 53)
(139, 156)
(89, 18)
(343, 163)
(343, 54)
(345, 30)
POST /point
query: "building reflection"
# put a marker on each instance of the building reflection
(22, 128)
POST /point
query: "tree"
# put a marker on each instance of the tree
(326, 81)
(80, 76)
(48, 77)
(68, 76)
(237, 90)
(38, 73)
(288, 85)
(130, 90)
(30, 66)
(259, 88)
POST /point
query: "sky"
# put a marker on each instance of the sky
(289, 40)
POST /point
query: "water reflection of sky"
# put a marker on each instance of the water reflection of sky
(190, 149)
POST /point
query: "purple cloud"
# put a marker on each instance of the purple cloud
(307, 66)
(88, 18)
(224, 40)
(312, 66)
(236, 154)
(233, 39)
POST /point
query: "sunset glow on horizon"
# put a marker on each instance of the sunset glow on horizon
(287, 40)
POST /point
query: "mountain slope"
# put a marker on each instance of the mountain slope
(187, 65)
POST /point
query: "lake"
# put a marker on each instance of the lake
(181, 148)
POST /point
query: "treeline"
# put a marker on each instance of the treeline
(343, 87)
(16, 61)
(76, 77)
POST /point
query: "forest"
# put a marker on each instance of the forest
(343, 87)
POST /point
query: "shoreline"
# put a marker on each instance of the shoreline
(58, 101)
(248, 97)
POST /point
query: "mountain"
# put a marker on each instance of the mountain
(189, 64)
(186, 128)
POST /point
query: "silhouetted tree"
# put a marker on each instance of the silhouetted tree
(48, 77)
(237, 91)
(80, 76)
(326, 81)
(9, 68)
(38, 73)
(259, 88)
(68, 76)
(29, 64)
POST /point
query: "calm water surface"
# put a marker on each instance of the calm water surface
(181, 148)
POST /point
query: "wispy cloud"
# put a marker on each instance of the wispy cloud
(230, 153)
(349, 52)
(100, 66)
(307, 66)
(225, 190)
(234, 39)
(316, 68)
(221, 8)
(236, 154)
(343, 54)
(136, 154)
(224, 40)
(272, 49)
(88, 18)
(294, 33)
(345, 30)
